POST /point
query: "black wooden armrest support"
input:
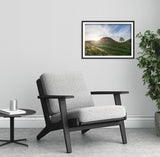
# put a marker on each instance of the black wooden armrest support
(61, 100)
(116, 95)
(63, 112)
(56, 97)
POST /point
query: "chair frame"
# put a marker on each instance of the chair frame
(69, 126)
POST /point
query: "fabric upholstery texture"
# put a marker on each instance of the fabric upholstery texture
(95, 113)
(66, 84)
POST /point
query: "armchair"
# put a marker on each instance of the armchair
(67, 105)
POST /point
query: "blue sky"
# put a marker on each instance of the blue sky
(115, 31)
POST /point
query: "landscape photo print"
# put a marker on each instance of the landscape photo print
(107, 39)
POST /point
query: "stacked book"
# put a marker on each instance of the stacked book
(9, 112)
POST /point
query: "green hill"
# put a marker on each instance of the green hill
(107, 46)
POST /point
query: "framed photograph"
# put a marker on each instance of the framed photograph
(107, 39)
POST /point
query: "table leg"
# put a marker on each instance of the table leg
(11, 129)
(12, 140)
(21, 140)
(21, 143)
(7, 142)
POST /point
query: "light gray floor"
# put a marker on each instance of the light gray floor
(95, 143)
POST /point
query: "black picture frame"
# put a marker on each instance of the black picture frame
(89, 27)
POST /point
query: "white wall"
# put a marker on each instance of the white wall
(39, 36)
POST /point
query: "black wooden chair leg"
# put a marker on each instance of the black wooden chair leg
(123, 132)
(44, 132)
(67, 140)
(66, 132)
(84, 131)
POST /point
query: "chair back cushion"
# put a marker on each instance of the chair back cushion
(66, 84)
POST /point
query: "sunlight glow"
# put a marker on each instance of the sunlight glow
(96, 39)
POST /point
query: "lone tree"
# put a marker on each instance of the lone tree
(121, 39)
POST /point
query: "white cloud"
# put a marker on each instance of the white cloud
(93, 32)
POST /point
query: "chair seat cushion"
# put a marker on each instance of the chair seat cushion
(94, 113)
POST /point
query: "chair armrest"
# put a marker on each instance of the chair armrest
(108, 92)
(62, 106)
(55, 97)
(116, 94)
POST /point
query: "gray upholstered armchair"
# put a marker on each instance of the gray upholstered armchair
(68, 105)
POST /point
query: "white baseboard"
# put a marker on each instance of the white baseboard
(37, 121)
(139, 121)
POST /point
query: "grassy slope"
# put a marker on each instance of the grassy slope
(92, 50)
(103, 49)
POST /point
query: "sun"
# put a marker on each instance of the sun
(96, 39)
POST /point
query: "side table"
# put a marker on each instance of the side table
(12, 140)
